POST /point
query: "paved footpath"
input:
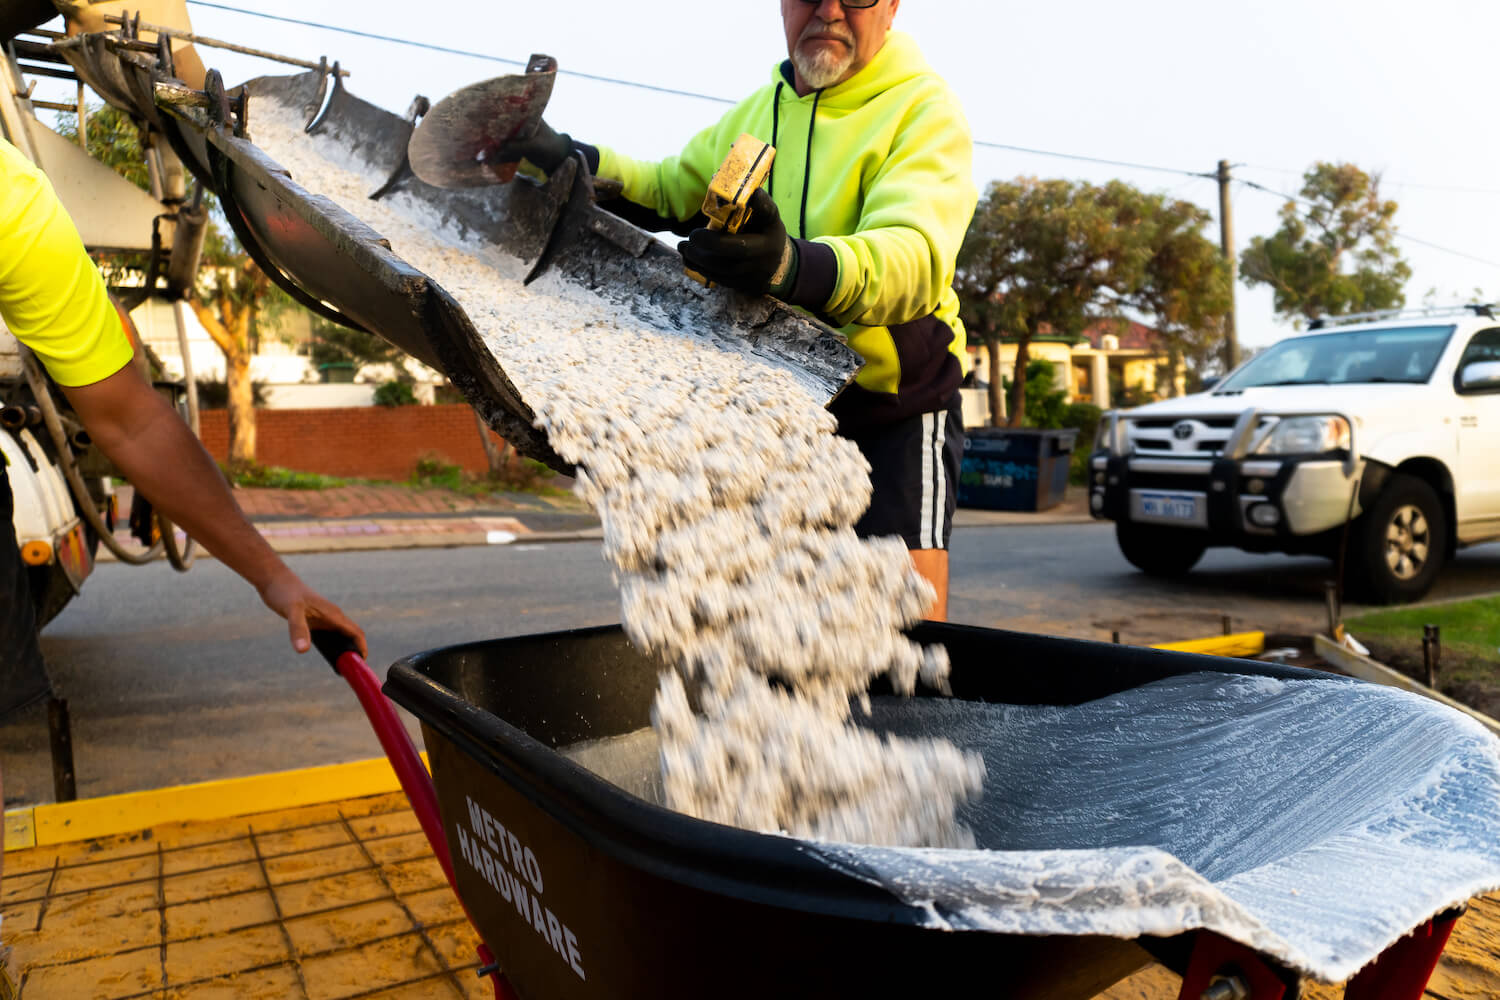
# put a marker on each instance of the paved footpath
(395, 515)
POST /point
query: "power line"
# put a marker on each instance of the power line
(429, 46)
(1399, 234)
(652, 87)
(1445, 188)
(1415, 185)
(1077, 157)
(1096, 159)
(1434, 246)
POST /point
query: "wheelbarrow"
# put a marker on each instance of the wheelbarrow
(1248, 825)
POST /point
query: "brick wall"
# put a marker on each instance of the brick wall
(366, 442)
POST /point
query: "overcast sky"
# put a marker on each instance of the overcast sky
(1404, 89)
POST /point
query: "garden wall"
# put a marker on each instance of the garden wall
(365, 442)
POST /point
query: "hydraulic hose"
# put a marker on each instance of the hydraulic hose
(181, 559)
(52, 420)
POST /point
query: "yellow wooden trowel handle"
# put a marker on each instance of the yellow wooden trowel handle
(727, 203)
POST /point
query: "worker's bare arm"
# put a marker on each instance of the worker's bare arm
(151, 445)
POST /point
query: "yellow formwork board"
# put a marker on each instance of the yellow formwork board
(64, 822)
(1237, 644)
(20, 833)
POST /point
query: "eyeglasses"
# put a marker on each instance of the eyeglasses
(850, 4)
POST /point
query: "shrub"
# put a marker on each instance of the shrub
(394, 393)
(1085, 417)
(213, 394)
(1046, 410)
(434, 469)
(525, 475)
(1044, 401)
(276, 478)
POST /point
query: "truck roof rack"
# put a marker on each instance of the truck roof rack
(1485, 309)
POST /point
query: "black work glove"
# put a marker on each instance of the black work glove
(759, 259)
(546, 150)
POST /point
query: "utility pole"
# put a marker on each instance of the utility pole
(1226, 240)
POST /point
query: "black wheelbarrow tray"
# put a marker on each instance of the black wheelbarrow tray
(1224, 817)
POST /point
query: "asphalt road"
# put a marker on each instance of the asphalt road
(174, 679)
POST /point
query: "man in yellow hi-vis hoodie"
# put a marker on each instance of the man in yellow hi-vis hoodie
(53, 300)
(860, 224)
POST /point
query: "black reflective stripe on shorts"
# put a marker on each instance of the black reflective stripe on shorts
(914, 465)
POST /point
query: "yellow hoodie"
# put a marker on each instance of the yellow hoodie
(874, 179)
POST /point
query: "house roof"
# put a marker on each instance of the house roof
(1133, 336)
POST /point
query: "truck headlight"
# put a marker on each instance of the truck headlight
(1306, 436)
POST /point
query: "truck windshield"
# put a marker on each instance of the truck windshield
(1395, 354)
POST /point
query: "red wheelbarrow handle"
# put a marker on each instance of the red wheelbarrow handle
(341, 653)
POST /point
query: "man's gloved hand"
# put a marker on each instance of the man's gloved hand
(546, 149)
(759, 259)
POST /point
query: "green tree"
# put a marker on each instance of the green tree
(395, 393)
(228, 300)
(232, 294)
(1335, 251)
(1038, 253)
(335, 344)
(114, 139)
(1045, 402)
(1061, 255)
(1186, 291)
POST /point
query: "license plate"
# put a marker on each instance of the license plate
(1169, 506)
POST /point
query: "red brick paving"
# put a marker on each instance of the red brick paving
(379, 499)
(361, 501)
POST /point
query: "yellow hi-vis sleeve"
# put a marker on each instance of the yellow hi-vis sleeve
(51, 295)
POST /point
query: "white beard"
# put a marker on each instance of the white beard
(825, 68)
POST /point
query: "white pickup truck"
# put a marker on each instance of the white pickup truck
(1376, 435)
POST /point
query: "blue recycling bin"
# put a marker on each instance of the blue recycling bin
(1015, 469)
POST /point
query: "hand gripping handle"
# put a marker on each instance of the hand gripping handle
(332, 645)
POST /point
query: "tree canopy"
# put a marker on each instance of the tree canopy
(1058, 255)
(231, 295)
(1335, 250)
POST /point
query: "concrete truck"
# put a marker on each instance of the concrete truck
(64, 502)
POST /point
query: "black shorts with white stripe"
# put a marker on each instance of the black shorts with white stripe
(914, 471)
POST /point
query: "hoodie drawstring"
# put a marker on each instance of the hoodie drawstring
(775, 134)
(807, 164)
